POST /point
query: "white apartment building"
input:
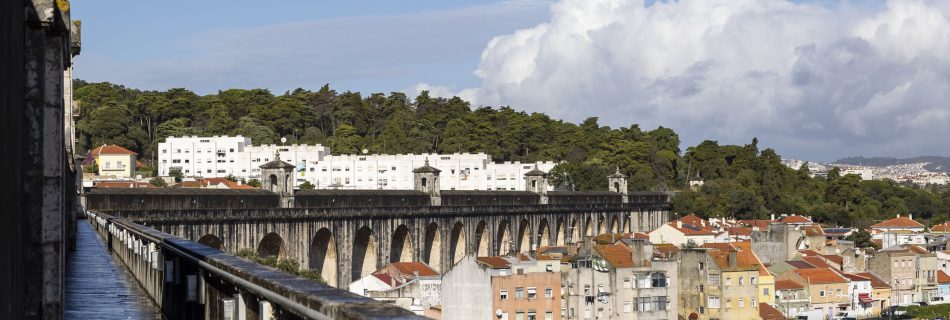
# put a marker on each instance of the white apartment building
(222, 156)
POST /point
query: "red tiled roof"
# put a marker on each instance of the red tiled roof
(110, 149)
(761, 224)
(385, 278)
(814, 230)
(855, 277)
(943, 227)
(916, 249)
(767, 312)
(124, 184)
(809, 253)
(798, 264)
(898, 222)
(876, 282)
(494, 262)
(817, 262)
(619, 256)
(411, 268)
(787, 285)
(745, 258)
(692, 230)
(665, 250)
(695, 221)
(739, 231)
(942, 277)
(834, 258)
(794, 219)
(820, 275)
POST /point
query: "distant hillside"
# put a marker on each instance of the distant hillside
(937, 163)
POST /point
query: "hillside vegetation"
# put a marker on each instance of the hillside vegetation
(740, 181)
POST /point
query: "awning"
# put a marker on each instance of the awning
(865, 298)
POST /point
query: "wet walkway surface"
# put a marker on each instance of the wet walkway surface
(99, 287)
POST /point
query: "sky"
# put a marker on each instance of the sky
(816, 80)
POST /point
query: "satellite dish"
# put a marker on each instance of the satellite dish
(365, 151)
(498, 313)
(283, 140)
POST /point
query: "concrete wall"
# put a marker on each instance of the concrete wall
(777, 244)
(39, 186)
(467, 292)
(110, 199)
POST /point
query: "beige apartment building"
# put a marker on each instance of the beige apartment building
(115, 161)
(828, 290)
(898, 266)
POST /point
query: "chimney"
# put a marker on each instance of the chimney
(910, 216)
(679, 224)
(732, 259)
(773, 216)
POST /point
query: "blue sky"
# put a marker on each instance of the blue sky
(386, 45)
(817, 80)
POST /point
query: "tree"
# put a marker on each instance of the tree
(254, 183)
(158, 182)
(306, 185)
(259, 134)
(345, 140)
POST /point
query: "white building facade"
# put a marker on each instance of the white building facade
(222, 156)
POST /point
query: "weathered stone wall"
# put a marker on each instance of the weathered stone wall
(438, 236)
(778, 243)
(178, 199)
(485, 198)
(562, 197)
(35, 49)
(359, 198)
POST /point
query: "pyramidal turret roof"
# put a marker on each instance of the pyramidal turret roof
(426, 168)
(535, 172)
(276, 163)
(617, 174)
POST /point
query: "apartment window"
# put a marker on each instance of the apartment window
(701, 288)
(626, 283)
(532, 292)
(600, 288)
(220, 171)
(503, 294)
(187, 161)
(532, 315)
(741, 303)
(714, 279)
(586, 289)
(712, 302)
(519, 293)
(702, 266)
(519, 315)
(838, 292)
(164, 151)
(740, 280)
(231, 150)
(627, 306)
(643, 304)
(755, 302)
(549, 293)
(702, 310)
(176, 160)
(658, 280)
(752, 280)
(643, 280)
(549, 315)
(728, 281)
(821, 293)
(765, 291)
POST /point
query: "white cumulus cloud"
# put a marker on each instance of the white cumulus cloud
(815, 81)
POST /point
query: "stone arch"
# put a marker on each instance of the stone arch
(211, 241)
(524, 236)
(272, 245)
(617, 187)
(457, 243)
(628, 225)
(575, 231)
(323, 257)
(503, 242)
(588, 227)
(482, 240)
(559, 232)
(615, 225)
(273, 183)
(544, 233)
(401, 249)
(364, 253)
(432, 253)
(600, 226)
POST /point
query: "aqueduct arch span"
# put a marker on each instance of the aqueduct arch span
(344, 244)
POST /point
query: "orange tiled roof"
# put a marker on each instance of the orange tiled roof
(695, 221)
(943, 227)
(794, 219)
(916, 249)
(495, 262)
(124, 184)
(855, 277)
(834, 258)
(740, 231)
(413, 267)
(745, 259)
(767, 312)
(808, 253)
(619, 256)
(814, 230)
(787, 285)
(665, 249)
(817, 262)
(942, 277)
(760, 224)
(692, 230)
(110, 149)
(899, 222)
(876, 282)
(820, 275)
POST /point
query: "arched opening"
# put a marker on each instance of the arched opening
(432, 254)
(401, 249)
(559, 232)
(364, 253)
(615, 225)
(575, 231)
(273, 183)
(457, 248)
(534, 183)
(524, 240)
(588, 227)
(503, 244)
(211, 241)
(423, 182)
(481, 239)
(628, 225)
(271, 246)
(617, 187)
(323, 256)
(544, 234)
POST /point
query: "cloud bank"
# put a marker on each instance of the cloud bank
(812, 80)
